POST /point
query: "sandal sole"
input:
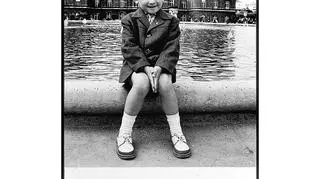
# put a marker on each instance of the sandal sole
(125, 156)
(128, 156)
(182, 155)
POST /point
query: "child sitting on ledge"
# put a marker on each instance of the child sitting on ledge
(150, 47)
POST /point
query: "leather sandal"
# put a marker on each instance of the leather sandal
(180, 147)
(125, 149)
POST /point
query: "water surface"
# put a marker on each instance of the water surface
(92, 52)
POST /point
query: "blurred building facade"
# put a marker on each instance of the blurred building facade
(188, 10)
(252, 5)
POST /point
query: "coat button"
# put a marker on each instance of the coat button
(149, 35)
(147, 51)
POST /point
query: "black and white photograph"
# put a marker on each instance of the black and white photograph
(159, 83)
(222, 89)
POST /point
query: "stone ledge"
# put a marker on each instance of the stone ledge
(108, 97)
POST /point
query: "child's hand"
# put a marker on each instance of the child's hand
(149, 70)
(156, 75)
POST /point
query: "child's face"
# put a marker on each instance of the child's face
(151, 6)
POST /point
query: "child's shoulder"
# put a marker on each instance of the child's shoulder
(167, 15)
(127, 16)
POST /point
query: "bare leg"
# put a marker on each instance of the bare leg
(170, 103)
(168, 96)
(134, 101)
(170, 107)
(139, 90)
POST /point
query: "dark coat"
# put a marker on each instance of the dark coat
(149, 45)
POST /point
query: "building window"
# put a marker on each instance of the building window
(171, 3)
(136, 3)
(165, 4)
(227, 5)
(78, 3)
(109, 3)
(215, 4)
(96, 3)
(184, 5)
(203, 4)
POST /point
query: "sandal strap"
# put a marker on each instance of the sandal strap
(179, 138)
(127, 139)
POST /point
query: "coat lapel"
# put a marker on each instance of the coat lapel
(144, 20)
(159, 20)
(142, 17)
(156, 22)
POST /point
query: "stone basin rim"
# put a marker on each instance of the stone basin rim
(108, 97)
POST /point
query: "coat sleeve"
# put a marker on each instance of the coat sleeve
(170, 54)
(131, 51)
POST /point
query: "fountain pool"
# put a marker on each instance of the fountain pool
(207, 52)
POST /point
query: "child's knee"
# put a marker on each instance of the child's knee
(165, 83)
(140, 82)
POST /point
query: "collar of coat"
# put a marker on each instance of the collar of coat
(161, 14)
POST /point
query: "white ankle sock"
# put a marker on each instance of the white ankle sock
(174, 124)
(127, 124)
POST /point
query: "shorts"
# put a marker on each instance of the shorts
(128, 85)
